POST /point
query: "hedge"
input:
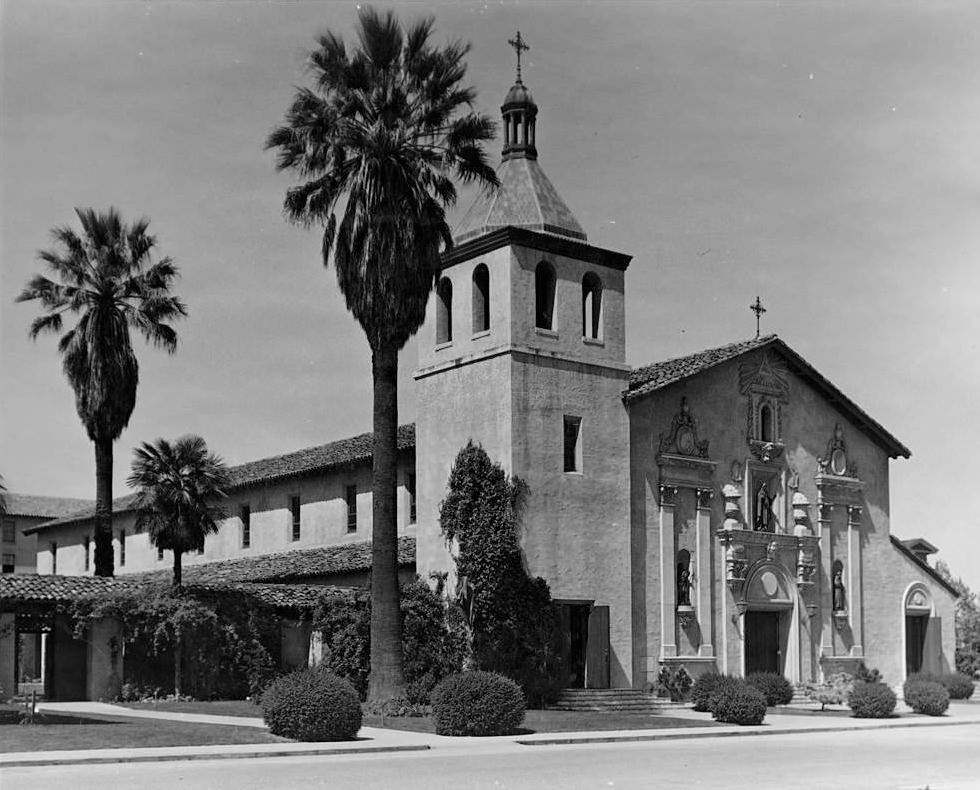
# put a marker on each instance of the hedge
(477, 703)
(774, 687)
(739, 704)
(871, 700)
(925, 696)
(312, 705)
(707, 687)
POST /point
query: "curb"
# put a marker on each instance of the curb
(700, 734)
(31, 762)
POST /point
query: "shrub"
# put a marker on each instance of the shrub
(674, 682)
(968, 661)
(958, 685)
(312, 705)
(774, 687)
(707, 687)
(925, 696)
(833, 691)
(871, 700)
(477, 703)
(865, 675)
(739, 704)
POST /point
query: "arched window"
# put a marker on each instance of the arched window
(444, 311)
(544, 296)
(592, 306)
(481, 298)
(766, 432)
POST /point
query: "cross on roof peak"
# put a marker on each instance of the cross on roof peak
(758, 309)
(519, 45)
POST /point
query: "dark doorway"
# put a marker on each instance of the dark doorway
(597, 649)
(915, 641)
(762, 652)
(578, 639)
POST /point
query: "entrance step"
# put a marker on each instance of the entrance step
(614, 700)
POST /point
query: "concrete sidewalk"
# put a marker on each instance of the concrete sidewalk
(378, 740)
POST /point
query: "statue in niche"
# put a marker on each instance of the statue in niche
(683, 585)
(762, 521)
(840, 604)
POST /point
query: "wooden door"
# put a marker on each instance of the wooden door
(761, 642)
(597, 649)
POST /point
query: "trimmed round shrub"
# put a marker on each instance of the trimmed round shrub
(871, 700)
(312, 705)
(774, 687)
(739, 704)
(926, 696)
(958, 685)
(707, 687)
(477, 703)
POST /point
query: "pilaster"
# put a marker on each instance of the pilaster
(703, 602)
(668, 581)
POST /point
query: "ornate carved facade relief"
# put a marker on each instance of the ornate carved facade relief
(766, 385)
(835, 460)
(682, 438)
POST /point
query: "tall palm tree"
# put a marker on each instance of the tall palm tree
(179, 491)
(378, 140)
(106, 277)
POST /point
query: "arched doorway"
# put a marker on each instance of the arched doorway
(770, 635)
(919, 630)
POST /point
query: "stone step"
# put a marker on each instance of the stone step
(614, 700)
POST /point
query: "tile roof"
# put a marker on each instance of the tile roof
(345, 452)
(35, 588)
(286, 566)
(658, 375)
(43, 506)
(651, 378)
(526, 198)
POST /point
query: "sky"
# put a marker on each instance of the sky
(823, 156)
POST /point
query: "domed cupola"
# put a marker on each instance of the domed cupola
(519, 112)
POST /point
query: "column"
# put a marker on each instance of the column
(854, 566)
(826, 511)
(703, 601)
(668, 582)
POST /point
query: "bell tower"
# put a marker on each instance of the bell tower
(523, 351)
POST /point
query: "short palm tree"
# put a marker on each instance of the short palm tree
(376, 144)
(104, 276)
(179, 488)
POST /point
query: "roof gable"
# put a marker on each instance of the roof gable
(651, 378)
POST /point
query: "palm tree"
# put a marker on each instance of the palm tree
(378, 140)
(105, 276)
(179, 488)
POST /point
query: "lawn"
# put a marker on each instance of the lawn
(534, 720)
(57, 731)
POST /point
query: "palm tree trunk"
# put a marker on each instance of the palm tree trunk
(177, 569)
(387, 678)
(104, 560)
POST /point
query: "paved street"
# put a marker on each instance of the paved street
(940, 758)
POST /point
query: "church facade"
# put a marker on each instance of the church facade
(724, 511)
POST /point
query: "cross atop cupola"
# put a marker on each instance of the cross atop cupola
(519, 45)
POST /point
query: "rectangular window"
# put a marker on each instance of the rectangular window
(54, 557)
(351, 496)
(9, 531)
(159, 554)
(245, 513)
(294, 512)
(9, 561)
(573, 443)
(86, 547)
(122, 547)
(410, 488)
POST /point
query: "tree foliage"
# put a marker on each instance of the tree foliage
(106, 277)
(967, 617)
(179, 491)
(515, 626)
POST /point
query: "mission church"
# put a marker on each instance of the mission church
(727, 510)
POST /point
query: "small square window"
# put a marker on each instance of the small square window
(573, 443)
(294, 511)
(350, 495)
(9, 562)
